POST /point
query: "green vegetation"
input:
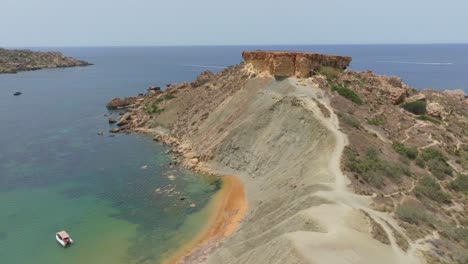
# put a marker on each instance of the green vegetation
(347, 93)
(350, 120)
(332, 74)
(428, 118)
(373, 169)
(436, 162)
(153, 106)
(432, 153)
(413, 214)
(455, 233)
(167, 97)
(460, 184)
(329, 72)
(416, 107)
(409, 152)
(428, 187)
(377, 120)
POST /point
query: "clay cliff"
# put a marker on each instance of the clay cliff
(13, 61)
(339, 166)
(287, 64)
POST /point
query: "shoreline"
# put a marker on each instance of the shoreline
(228, 207)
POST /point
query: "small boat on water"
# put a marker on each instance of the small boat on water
(63, 238)
(17, 93)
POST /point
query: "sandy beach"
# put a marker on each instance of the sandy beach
(228, 207)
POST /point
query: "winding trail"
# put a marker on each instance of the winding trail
(340, 193)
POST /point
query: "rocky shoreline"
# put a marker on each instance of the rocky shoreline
(13, 61)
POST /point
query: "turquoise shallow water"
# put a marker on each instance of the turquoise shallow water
(57, 173)
(95, 188)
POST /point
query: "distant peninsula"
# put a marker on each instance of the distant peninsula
(16, 60)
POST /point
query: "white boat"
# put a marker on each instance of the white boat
(63, 238)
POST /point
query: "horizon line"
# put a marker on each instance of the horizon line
(231, 45)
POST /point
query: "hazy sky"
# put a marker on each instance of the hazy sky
(213, 22)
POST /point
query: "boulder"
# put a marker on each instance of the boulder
(416, 97)
(112, 120)
(395, 81)
(115, 130)
(434, 109)
(202, 78)
(397, 95)
(154, 88)
(116, 103)
(124, 119)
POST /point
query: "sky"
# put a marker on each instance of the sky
(35, 23)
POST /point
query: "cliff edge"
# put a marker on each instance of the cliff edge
(289, 63)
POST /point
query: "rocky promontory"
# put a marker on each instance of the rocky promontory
(13, 61)
(339, 166)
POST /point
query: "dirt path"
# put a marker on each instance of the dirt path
(341, 193)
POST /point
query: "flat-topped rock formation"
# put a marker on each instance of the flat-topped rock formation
(288, 63)
(13, 61)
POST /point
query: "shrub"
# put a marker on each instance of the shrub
(329, 72)
(350, 120)
(428, 187)
(432, 153)
(374, 170)
(455, 233)
(420, 162)
(417, 107)
(347, 93)
(168, 97)
(412, 214)
(153, 107)
(439, 168)
(409, 152)
(377, 120)
(460, 184)
(436, 162)
(428, 118)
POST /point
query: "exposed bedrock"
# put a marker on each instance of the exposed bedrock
(287, 64)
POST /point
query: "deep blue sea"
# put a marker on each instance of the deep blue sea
(57, 173)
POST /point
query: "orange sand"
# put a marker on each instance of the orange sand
(228, 206)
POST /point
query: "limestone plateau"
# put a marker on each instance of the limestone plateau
(287, 64)
(339, 166)
(13, 61)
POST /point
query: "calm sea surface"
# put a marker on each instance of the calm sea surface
(57, 173)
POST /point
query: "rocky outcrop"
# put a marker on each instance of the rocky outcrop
(13, 61)
(434, 109)
(287, 64)
(202, 78)
(416, 97)
(459, 94)
(116, 103)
